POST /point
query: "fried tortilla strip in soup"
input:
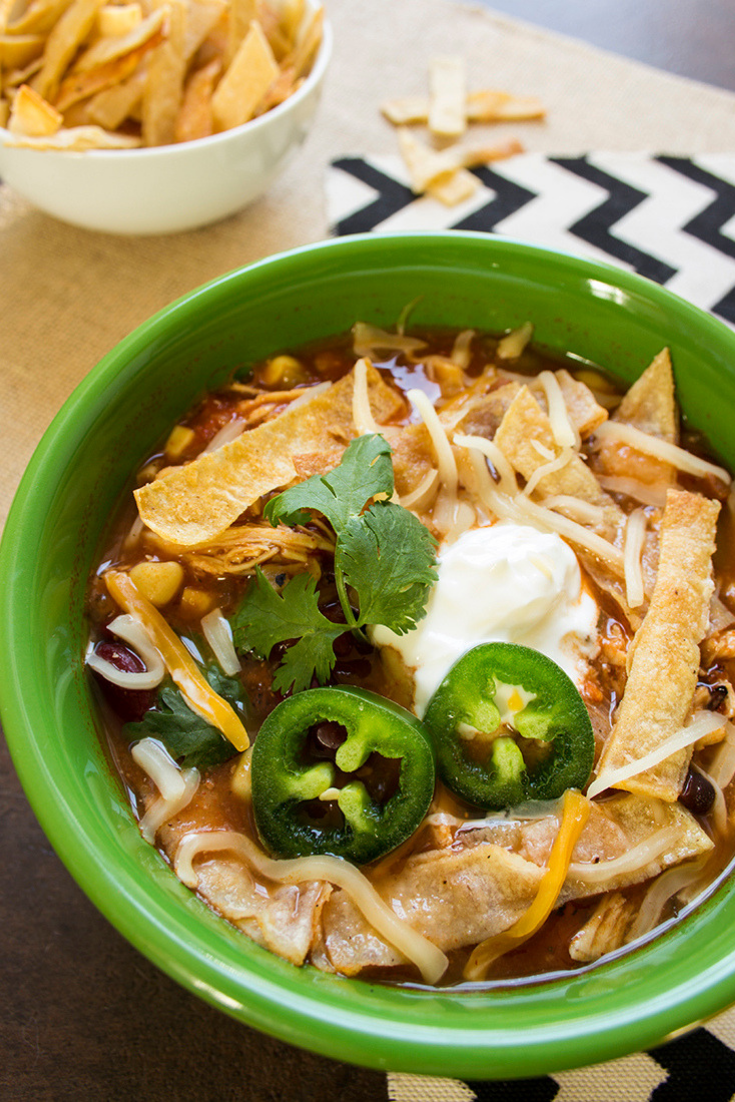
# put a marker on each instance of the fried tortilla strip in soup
(525, 434)
(665, 650)
(481, 884)
(650, 406)
(194, 503)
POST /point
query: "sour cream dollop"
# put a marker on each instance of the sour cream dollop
(506, 583)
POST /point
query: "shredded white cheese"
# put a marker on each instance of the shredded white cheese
(362, 414)
(507, 482)
(555, 464)
(660, 449)
(564, 432)
(702, 723)
(423, 494)
(430, 960)
(631, 487)
(635, 534)
(460, 354)
(639, 857)
(218, 634)
(226, 435)
(176, 787)
(511, 346)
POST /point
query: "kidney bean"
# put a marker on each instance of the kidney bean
(129, 704)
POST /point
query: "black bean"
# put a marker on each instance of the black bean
(697, 795)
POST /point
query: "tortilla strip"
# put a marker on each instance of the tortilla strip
(524, 422)
(194, 503)
(283, 919)
(665, 650)
(63, 42)
(649, 405)
(477, 888)
(605, 930)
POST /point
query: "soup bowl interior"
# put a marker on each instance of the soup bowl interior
(55, 534)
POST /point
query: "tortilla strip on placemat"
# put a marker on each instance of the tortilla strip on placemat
(524, 422)
(194, 503)
(665, 650)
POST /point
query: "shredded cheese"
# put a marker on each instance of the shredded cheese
(635, 534)
(584, 512)
(155, 760)
(661, 449)
(226, 435)
(218, 634)
(702, 723)
(445, 509)
(422, 495)
(368, 339)
(575, 533)
(511, 346)
(507, 482)
(460, 354)
(664, 888)
(543, 450)
(554, 464)
(564, 432)
(635, 859)
(429, 959)
(722, 762)
(575, 812)
(162, 810)
(362, 414)
(631, 487)
(196, 690)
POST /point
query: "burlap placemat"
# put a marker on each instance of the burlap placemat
(67, 296)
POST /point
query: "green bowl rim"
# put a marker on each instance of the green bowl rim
(372, 1026)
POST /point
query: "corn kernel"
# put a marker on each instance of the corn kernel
(158, 581)
(283, 372)
(196, 602)
(178, 441)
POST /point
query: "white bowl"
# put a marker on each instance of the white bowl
(170, 188)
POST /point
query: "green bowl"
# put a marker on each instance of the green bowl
(54, 534)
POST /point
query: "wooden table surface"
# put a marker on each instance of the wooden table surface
(85, 1016)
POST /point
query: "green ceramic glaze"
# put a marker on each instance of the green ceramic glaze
(53, 535)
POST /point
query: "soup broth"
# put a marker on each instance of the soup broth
(540, 551)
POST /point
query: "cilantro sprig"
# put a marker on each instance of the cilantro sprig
(384, 567)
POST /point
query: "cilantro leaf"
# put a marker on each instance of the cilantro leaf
(387, 557)
(189, 739)
(312, 656)
(265, 618)
(382, 552)
(364, 471)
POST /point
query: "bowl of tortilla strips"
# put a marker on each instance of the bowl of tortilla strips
(299, 458)
(140, 118)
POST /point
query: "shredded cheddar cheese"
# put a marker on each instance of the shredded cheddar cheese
(575, 813)
(196, 690)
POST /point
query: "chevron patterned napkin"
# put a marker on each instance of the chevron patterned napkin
(670, 218)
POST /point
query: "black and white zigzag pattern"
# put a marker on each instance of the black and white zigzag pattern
(694, 1066)
(669, 218)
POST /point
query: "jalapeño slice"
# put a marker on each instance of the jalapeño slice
(358, 794)
(493, 694)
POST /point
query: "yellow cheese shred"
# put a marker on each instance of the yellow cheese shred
(196, 690)
(575, 813)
